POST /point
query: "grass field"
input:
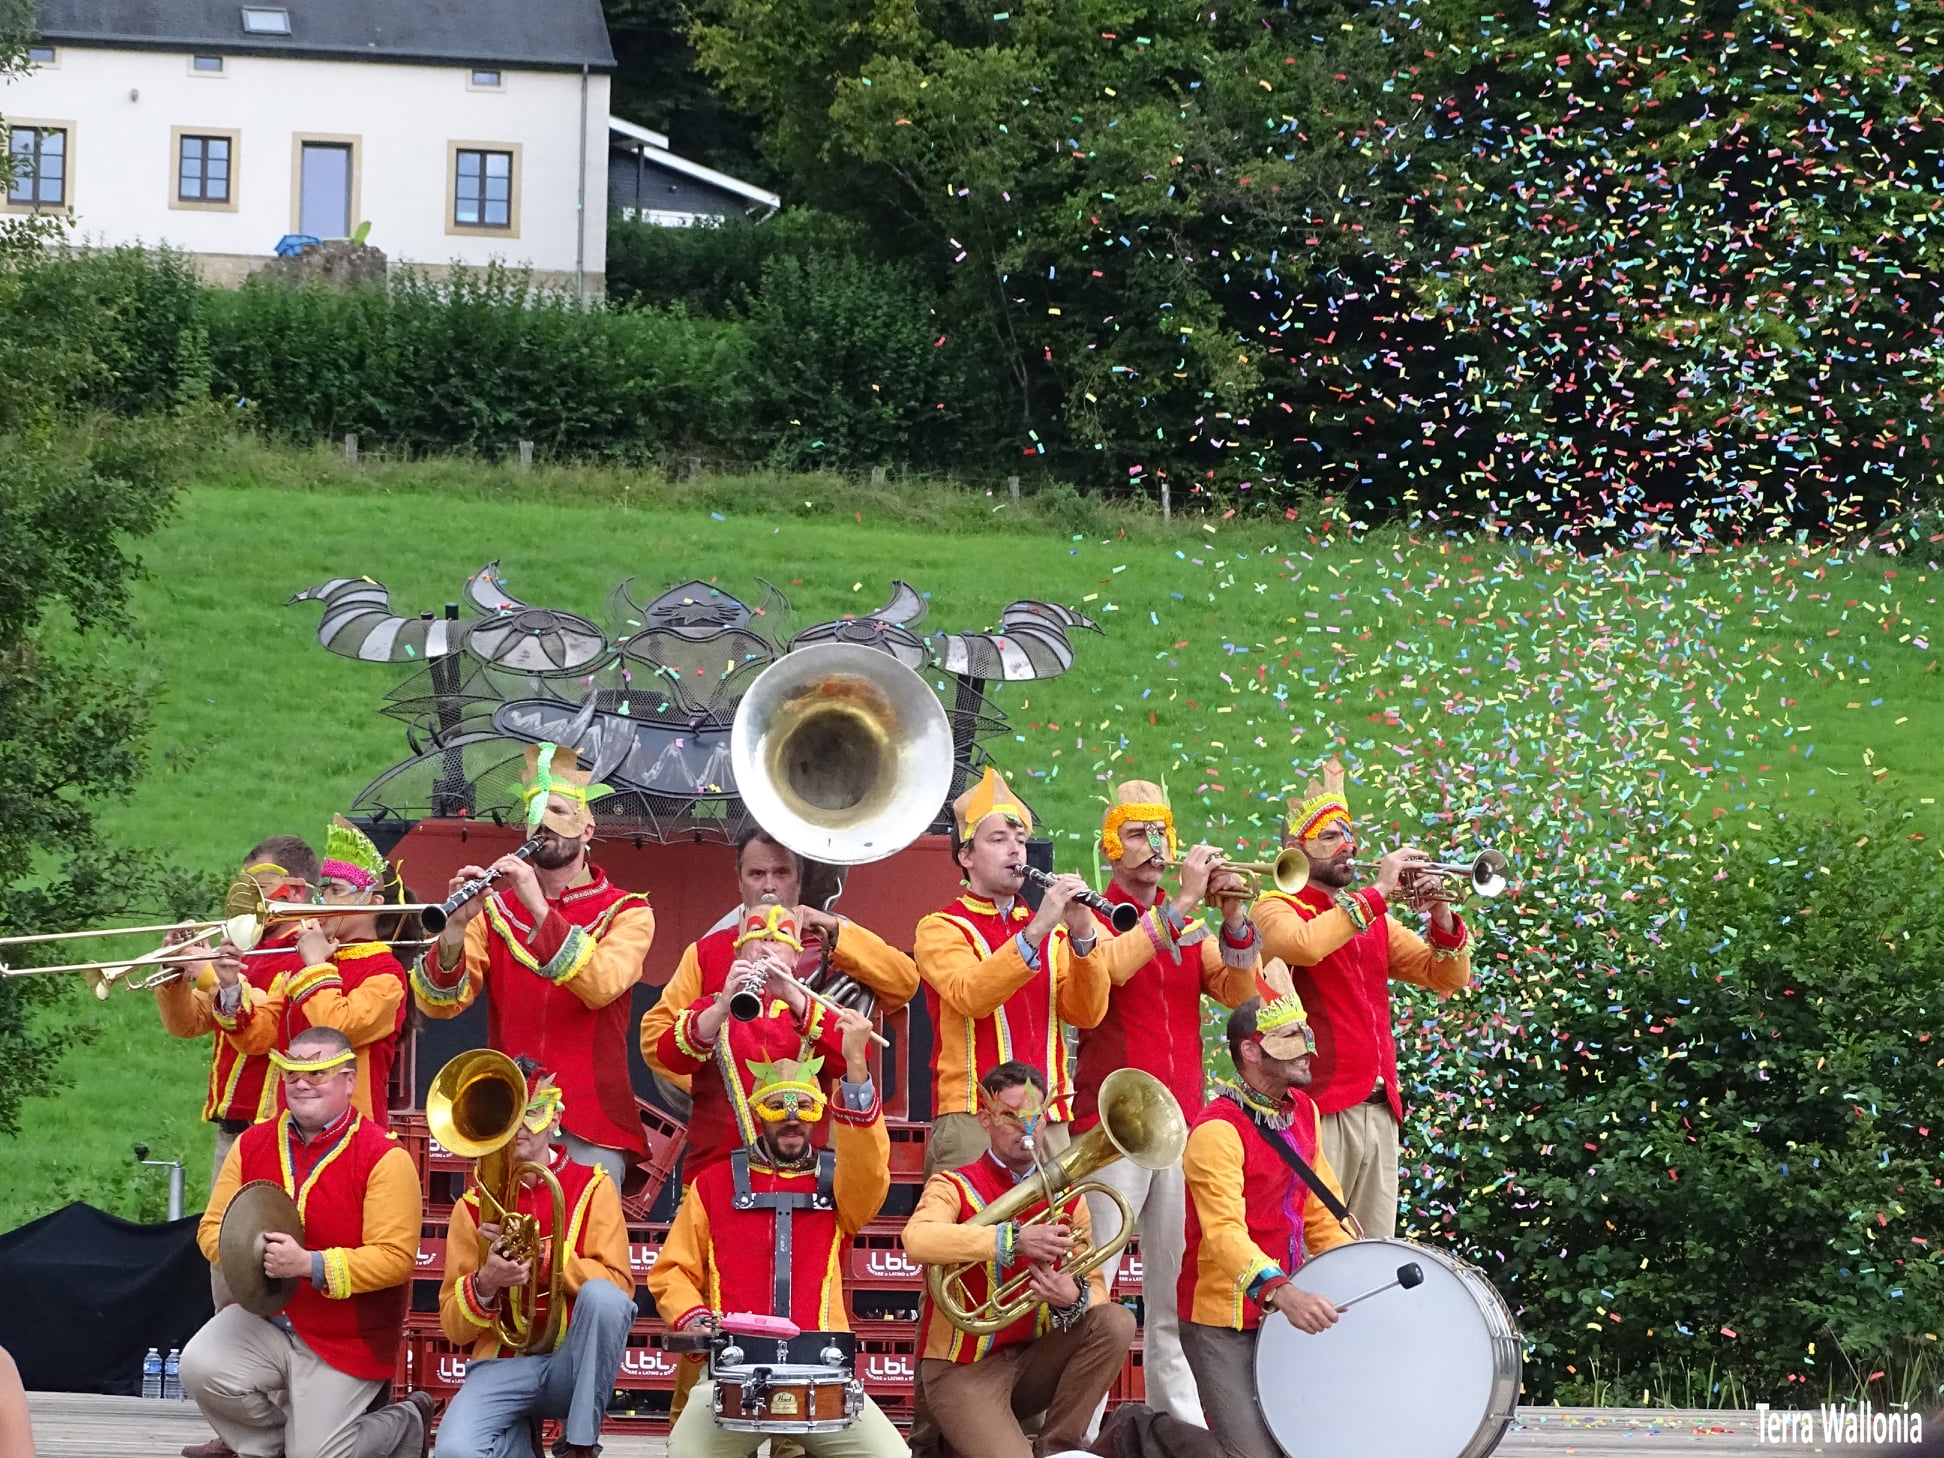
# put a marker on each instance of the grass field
(1541, 698)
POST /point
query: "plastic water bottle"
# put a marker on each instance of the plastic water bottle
(172, 1375)
(152, 1374)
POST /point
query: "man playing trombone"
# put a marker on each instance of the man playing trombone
(1159, 972)
(506, 1391)
(1343, 947)
(557, 948)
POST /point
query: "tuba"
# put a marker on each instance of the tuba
(841, 753)
(473, 1109)
(1139, 1120)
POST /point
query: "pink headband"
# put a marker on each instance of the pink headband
(344, 871)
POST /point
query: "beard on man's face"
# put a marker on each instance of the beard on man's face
(556, 854)
(1337, 871)
(787, 1143)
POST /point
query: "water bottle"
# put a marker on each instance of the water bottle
(172, 1375)
(152, 1374)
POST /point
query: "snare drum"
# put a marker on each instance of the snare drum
(1429, 1372)
(809, 1387)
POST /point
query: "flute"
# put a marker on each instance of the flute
(435, 918)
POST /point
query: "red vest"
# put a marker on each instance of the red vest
(719, 1116)
(1153, 1022)
(743, 1246)
(1273, 1197)
(240, 1086)
(1027, 1025)
(979, 1184)
(359, 1335)
(1347, 997)
(586, 1047)
(577, 1183)
(354, 965)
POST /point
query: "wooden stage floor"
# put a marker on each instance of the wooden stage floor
(70, 1425)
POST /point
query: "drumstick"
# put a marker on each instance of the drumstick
(1408, 1275)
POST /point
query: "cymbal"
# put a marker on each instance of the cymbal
(256, 1210)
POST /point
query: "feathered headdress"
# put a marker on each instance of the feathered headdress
(350, 856)
(544, 1101)
(553, 769)
(1281, 1022)
(786, 1086)
(1321, 804)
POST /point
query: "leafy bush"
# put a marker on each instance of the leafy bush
(1716, 1143)
(714, 271)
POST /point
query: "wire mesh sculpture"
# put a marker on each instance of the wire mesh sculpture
(648, 701)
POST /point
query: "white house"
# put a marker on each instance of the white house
(461, 130)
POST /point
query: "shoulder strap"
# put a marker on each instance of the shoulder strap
(1287, 1152)
(826, 1180)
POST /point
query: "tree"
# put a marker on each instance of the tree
(73, 493)
(1696, 1127)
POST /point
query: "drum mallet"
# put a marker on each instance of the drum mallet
(1408, 1275)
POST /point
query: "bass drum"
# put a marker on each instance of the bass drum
(1430, 1372)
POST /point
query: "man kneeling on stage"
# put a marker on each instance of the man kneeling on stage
(1061, 1356)
(505, 1396)
(765, 1232)
(301, 1382)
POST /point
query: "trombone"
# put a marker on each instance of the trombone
(247, 914)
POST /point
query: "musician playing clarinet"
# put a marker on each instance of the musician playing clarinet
(1254, 1166)
(1003, 982)
(1343, 947)
(765, 1231)
(556, 947)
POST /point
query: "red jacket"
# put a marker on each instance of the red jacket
(1346, 990)
(1154, 1012)
(719, 1116)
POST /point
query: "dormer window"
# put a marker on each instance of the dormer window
(263, 20)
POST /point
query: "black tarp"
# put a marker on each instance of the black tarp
(88, 1293)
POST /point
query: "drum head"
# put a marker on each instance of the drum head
(1404, 1374)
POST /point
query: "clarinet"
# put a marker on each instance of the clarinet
(1121, 915)
(435, 920)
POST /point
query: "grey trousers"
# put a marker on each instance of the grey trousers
(1223, 1362)
(266, 1393)
(490, 1415)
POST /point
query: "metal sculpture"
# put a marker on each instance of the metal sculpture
(649, 700)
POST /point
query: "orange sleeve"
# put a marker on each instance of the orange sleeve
(1083, 983)
(967, 984)
(259, 1019)
(602, 1252)
(1123, 954)
(615, 965)
(1230, 986)
(1304, 937)
(461, 1317)
(681, 1270)
(933, 1235)
(863, 954)
(1442, 964)
(184, 1002)
(1212, 1167)
(677, 993)
(445, 992)
(229, 1179)
(387, 1252)
(366, 1014)
(863, 1150)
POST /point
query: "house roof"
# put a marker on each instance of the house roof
(654, 150)
(515, 34)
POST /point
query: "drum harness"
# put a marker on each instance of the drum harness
(785, 1203)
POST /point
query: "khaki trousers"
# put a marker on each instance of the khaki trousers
(1361, 1145)
(266, 1393)
(1159, 1200)
(956, 1140)
(978, 1405)
(695, 1434)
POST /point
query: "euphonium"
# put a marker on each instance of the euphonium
(1139, 1120)
(473, 1109)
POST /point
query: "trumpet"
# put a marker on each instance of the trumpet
(1288, 872)
(1139, 1120)
(1485, 871)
